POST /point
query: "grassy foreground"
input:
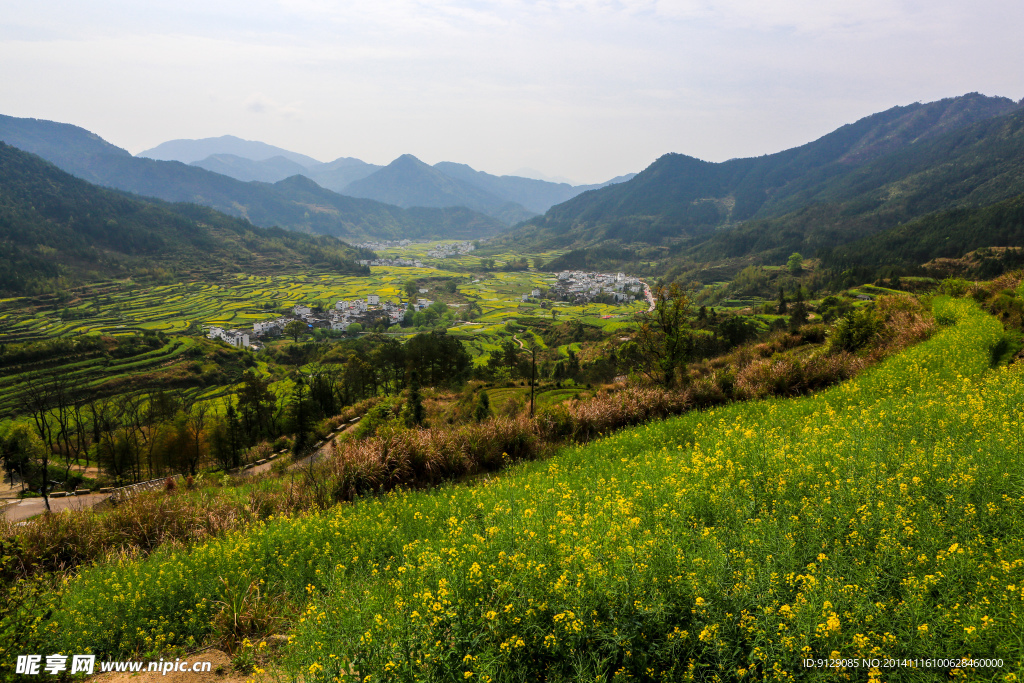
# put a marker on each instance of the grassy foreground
(878, 519)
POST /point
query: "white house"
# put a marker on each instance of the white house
(373, 299)
(302, 311)
(233, 337)
(236, 338)
(262, 328)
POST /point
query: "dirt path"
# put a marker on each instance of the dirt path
(29, 507)
(10, 488)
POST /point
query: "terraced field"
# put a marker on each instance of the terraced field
(180, 311)
(120, 308)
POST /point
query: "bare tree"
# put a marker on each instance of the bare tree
(37, 400)
(195, 425)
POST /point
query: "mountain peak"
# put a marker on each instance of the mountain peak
(407, 160)
(189, 151)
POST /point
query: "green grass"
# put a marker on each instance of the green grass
(877, 519)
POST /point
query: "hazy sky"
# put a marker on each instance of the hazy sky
(586, 89)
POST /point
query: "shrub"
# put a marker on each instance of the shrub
(385, 412)
(854, 331)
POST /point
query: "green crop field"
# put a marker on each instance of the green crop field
(120, 308)
(878, 519)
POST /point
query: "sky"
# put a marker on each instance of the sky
(582, 89)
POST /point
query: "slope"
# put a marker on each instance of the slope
(942, 235)
(240, 168)
(56, 229)
(682, 199)
(287, 204)
(874, 519)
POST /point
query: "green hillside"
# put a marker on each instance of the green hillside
(56, 230)
(873, 520)
(943, 235)
(888, 168)
(295, 203)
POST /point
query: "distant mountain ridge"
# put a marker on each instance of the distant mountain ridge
(56, 229)
(295, 204)
(407, 181)
(866, 176)
(509, 198)
(190, 151)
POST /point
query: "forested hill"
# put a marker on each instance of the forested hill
(295, 203)
(56, 229)
(942, 235)
(892, 166)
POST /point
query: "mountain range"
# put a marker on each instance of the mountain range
(56, 230)
(297, 202)
(917, 172)
(405, 182)
(866, 177)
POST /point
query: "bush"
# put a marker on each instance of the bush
(384, 413)
(854, 331)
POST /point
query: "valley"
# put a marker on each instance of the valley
(707, 422)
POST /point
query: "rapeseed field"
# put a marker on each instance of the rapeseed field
(880, 519)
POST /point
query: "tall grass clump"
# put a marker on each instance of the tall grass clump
(397, 457)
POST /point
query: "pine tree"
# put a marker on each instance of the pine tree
(414, 412)
(483, 406)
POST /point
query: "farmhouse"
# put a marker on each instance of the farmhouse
(233, 337)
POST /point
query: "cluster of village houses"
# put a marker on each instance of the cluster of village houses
(579, 285)
(384, 244)
(454, 249)
(576, 285)
(409, 263)
(338, 318)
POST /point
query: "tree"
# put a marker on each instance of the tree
(412, 289)
(256, 403)
(482, 409)
(782, 302)
(295, 329)
(414, 412)
(195, 429)
(798, 314)
(795, 263)
(538, 263)
(300, 415)
(665, 336)
(23, 452)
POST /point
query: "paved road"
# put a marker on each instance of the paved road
(23, 509)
